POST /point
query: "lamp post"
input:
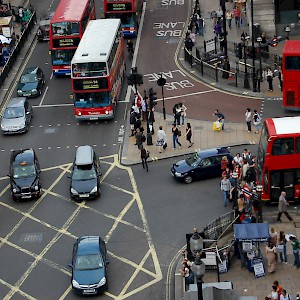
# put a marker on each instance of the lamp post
(222, 3)
(198, 267)
(235, 176)
(287, 29)
(259, 189)
(244, 38)
(253, 49)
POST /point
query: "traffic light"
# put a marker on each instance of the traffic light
(152, 97)
(130, 80)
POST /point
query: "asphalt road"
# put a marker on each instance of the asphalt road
(143, 216)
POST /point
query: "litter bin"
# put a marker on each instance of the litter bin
(239, 50)
(256, 31)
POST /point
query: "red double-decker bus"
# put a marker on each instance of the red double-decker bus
(98, 69)
(66, 29)
(129, 11)
(291, 75)
(278, 159)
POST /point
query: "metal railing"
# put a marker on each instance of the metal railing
(17, 48)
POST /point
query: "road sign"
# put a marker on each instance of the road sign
(246, 191)
(274, 42)
(161, 81)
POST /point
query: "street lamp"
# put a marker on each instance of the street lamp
(287, 29)
(259, 40)
(259, 189)
(245, 37)
(235, 176)
(198, 268)
(196, 242)
(253, 49)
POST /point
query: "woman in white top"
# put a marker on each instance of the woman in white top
(274, 294)
(161, 139)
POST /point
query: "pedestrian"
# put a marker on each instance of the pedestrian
(238, 159)
(225, 188)
(161, 139)
(137, 122)
(256, 121)
(229, 16)
(189, 44)
(20, 14)
(279, 288)
(187, 274)
(245, 167)
(284, 295)
(295, 245)
(131, 121)
(183, 109)
(274, 295)
(213, 16)
(224, 163)
(175, 107)
(217, 29)
(188, 134)
(273, 236)
(248, 119)
(271, 257)
(150, 119)
(139, 138)
(270, 79)
(193, 37)
(176, 133)
(282, 207)
(144, 156)
(178, 115)
(237, 16)
(144, 110)
(201, 24)
(280, 77)
(220, 118)
(281, 247)
(219, 14)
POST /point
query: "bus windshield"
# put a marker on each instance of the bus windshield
(65, 28)
(92, 69)
(62, 57)
(127, 19)
(89, 100)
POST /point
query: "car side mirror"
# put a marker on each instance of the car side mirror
(70, 265)
(69, 176)
(27, 112)
(99, 174)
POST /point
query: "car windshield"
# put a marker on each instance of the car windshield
(13, 112)
(84, 172)
(192, 160)
(89, 262)
(29, 78)
(24, 170)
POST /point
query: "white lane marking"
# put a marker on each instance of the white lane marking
(51, 76)
(53, 105)
(186, 95)
(128, 94)
(45, 92)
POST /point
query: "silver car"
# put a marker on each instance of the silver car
(17, 116)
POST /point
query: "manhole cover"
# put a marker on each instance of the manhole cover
(50, 130)
(32, 237)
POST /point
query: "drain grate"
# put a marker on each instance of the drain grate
(50, 130)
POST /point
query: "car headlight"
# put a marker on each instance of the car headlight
(36, 188)
(94, 190)
(14, 191)
(2, 127)
(19, 92)
(34, 90)
(74, 191)
(102, 281)
(75, 284)
(178, 174)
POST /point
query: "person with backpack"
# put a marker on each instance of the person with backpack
(256, 121)
(176, 133)
(285, 295)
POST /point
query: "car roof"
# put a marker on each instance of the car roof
(16, 102)
(88, 245)
(84, 155)
(31, 71)
(25, 155)
(213, 152)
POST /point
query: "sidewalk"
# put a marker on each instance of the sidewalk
(243, 281)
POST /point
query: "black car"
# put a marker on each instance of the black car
(89, 261)
(85, 177)
(24, 174)
(31, 83)
(44, 27)
(201, 165)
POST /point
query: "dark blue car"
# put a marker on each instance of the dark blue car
(89, 262)
(200, 165)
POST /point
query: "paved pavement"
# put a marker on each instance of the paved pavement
(205, 137)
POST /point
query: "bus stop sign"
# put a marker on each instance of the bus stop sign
(274, 42)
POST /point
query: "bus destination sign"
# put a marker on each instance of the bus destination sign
(90, 84)
(126, 6)
(60, 43)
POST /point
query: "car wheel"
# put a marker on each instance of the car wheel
(188, 179)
